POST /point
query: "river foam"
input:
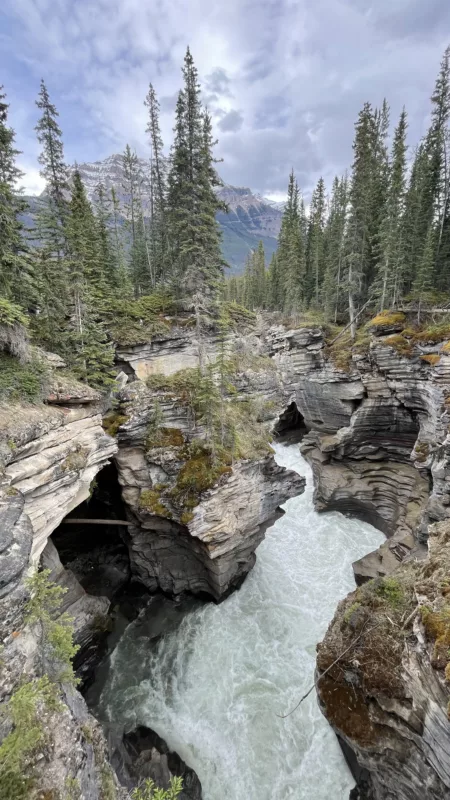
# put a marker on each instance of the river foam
(213, 685)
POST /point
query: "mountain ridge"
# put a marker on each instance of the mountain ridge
(250, 216)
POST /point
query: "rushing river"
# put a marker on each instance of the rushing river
(214, 684)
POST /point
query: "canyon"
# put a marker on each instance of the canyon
(375, 432)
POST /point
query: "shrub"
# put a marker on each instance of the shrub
(27, 736)
(57, 634)
(148, 790)
(391, 590)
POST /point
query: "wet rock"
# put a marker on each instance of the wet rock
(147, 755)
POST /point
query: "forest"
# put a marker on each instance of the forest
(86, 277)
(380, 239)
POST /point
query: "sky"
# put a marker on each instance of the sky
(283, 79)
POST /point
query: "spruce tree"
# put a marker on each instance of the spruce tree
(88, 352)
(315, 245)
(159, 233)
(358, 247)
(16, 269)
(51, 226)
(389, 281)
(334, 239)
(121, 270)
(54, 170)
(291, 251)
(438, 144)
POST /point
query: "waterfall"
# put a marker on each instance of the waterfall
(213, 684)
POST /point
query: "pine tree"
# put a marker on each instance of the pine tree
(315, 245)
(358, 255)
(54, 170)
(389, 283)
(140, 262)
(334, 239)
(16, 269)
(423, 283)
(159, 233)
(193, 203)
(274, 293)
(121, 270)
(108, 264)
(51, 227)
(438, 144)
(89, 354)
(291, 251)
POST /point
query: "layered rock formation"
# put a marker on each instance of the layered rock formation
(378, 445)
(189, 533)
(50, 454)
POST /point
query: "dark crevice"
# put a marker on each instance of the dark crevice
(97, 554)
(290, 426)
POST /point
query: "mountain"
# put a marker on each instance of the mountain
(249, 218)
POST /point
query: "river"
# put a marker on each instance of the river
(213, 685)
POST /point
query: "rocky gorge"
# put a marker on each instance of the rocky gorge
(374, 430)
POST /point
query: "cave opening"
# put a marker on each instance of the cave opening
(96, 551)
(291, 426)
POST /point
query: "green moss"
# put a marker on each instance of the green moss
(186, 517)
(108, 786)
(354, 607)
(200, 472)
(183, 384)
(387, 318)
(164, 437)
(11, 491)
(150, 500)
(399, 343)
(112, 422)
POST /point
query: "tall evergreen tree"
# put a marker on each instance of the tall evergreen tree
(291, 251)
(389, 283)
(51, 225)
(16, 269)
(89, 354)
(315, 244)
(158, 176)
(358, 256)
(334, 248)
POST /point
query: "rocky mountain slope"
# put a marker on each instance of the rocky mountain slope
(250, 218)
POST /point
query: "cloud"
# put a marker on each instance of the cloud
(284, 81)
(232, 121)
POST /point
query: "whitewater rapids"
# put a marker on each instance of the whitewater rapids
(213, 685)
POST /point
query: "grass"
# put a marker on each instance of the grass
(22, 381)
(432, 358)
(387, 318)
(131, 322)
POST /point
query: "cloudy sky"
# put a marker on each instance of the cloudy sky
(284, 79)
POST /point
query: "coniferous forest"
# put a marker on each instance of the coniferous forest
(82, 277)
